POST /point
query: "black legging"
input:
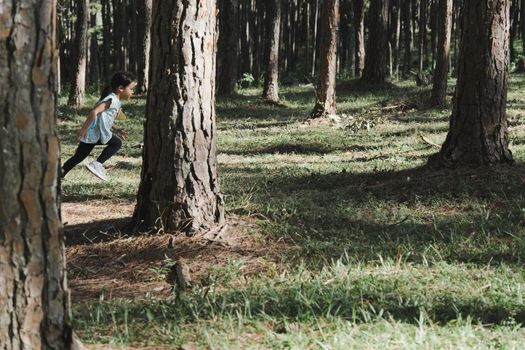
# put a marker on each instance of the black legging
(84, 149)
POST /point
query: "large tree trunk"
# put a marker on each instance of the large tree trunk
(78, 86)
(271, 79)
(34, 304)
(179, 187)
(144, 45)
(325, 104)
(377, 46)
(228, 47)
(359, 18)
(478, 125)
(439, 90)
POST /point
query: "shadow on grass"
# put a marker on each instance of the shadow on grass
(360, 300)
(96, 231)
(473, 216)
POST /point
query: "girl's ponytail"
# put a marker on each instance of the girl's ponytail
(105, 91)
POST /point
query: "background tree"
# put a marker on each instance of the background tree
(228, 47)
(34, 305)
(408, 37)
(271, 78)
(439, 89)
(478, 125)
(325, 104)
(377, 44)
(422, 38)
(143, 37)
(179, 187)
(359, 17)
(78, 85)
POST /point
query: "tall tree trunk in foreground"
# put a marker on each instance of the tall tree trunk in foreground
(439, 90)
(325, 104)
(359, 18)
(179, 187)
(228, 47)
(478, 125)
(78, 87)
(271, 79)
(34, 304)
(377, 45)
(144, 45)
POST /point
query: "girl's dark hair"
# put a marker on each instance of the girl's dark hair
(118, 79)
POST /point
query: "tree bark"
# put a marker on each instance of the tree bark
(359, 16)
(395, 33)
(228, 47)
(315, 34)
(271, 79)
(94, 70)
(107, 40)
(523, 26)
(478, 125)
(78, 86)
(375, 70)
(179, 187)
(422, 43)
(34, 303)
(325, 104)
(144, 45)
(439, 90)
(408, 37)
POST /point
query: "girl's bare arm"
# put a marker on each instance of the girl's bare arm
(101, 107)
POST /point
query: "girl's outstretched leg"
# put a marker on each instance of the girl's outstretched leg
(81, 153)
(112, 147)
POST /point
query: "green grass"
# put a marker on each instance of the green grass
(387, 254)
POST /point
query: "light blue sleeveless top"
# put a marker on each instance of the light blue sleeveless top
(100, 127)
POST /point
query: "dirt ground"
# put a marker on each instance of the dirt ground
(103, 261)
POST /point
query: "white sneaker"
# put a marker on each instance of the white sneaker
(98, 170)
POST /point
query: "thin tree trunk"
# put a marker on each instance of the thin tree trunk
(78, 86)
(271, 79)
(179, 187)
(439, 90)
(395, 28)
(144, 46)
(107, 40)
(514, 19)
(523, 26)
(228, 47)
(34, 305)
(478, 125)
(94, 70)
(359, 17)
(408, 37)
(325, 104)
(422, 34)
(315, 25)
(307, 36)
(377, 45)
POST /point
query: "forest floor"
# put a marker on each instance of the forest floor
(338, 236)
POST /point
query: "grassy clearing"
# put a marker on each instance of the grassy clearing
(387, 254)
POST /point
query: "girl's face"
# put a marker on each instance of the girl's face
(125, 92)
